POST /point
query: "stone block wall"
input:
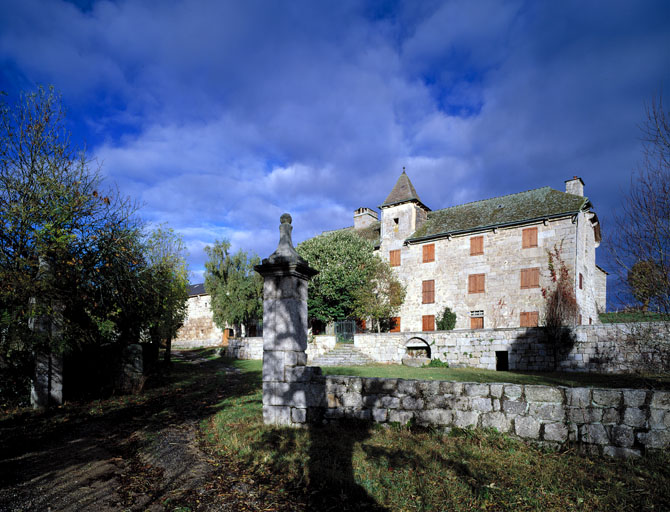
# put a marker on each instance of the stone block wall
(245, 348)
(199, 329)
(617, 422)
(598, 348)
(319, 345)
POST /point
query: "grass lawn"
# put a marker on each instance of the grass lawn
(367, 467)
(571, 379)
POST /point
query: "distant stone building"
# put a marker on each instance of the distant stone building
(199, 329)
(486, 260)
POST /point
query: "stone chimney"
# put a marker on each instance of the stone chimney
(575, 186)
(364, 217)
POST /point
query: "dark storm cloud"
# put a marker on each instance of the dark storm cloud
(222, 115)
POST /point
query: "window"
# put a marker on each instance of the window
(395, 324)
(476, 245)
(428, 253)
(476, 283)
(428, 323)
(530, 278)
(529, 238)
(394, 258)
(477, 322)
(428, 292)
(529, 319)
(581, 281)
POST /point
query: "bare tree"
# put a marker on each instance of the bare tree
(641, 245)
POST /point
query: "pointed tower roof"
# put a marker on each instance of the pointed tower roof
(402, 192)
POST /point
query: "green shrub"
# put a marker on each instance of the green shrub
(447, 320)
(436, 363)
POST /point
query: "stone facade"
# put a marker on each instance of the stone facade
(408, 231)
(199, 329)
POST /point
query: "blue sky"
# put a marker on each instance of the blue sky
(219, 116)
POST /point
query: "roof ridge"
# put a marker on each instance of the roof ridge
(498, 197)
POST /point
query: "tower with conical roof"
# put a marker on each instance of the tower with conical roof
(402, 213)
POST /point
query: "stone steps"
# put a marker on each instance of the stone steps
(342, 355)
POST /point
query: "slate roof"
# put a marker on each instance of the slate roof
(402, 192)
(196, 289)
(540, 203)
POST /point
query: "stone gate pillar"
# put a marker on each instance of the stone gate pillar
(285, 374)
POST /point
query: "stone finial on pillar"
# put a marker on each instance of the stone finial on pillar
(285, 376)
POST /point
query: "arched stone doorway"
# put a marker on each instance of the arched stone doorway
(417, 352)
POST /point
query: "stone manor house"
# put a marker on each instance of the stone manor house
(486, 260)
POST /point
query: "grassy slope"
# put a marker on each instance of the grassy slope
(363, 467)
(571, 379)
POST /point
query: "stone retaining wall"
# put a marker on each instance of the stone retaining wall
(245, 348)
(599, 348)
(319, 345)
(617, 422)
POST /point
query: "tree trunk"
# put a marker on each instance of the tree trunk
(168, 349)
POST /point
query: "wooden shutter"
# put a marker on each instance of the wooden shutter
(530, 278)
(428, 291)
(477, 322)
(476, 245)
(394, 257)
(428, 253)
(581, 281)
(395, 324)
(428, 323)
(529, 238)
(476, 283)
(529, 319)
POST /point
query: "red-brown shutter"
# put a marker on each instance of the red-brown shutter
(477, 322)
(529, 319)
(581, 281)
(529, 238)
(395, 324)
(394, 257)
(476, 245)
(428, 253)
(428, 291)
(428, 323)
(530, 278)
(476, 283)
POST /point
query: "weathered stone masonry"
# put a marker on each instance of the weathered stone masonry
(617, 422)
(286, 378)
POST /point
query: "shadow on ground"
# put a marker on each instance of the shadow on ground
(132, 452)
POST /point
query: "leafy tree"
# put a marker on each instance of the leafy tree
(641, 241)
(561, 308)
(167, 283)
(235, 287)
(446, 320)
(345, 263)
(381, 295)
(71, 251)
(54, 209)
(647, 282)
